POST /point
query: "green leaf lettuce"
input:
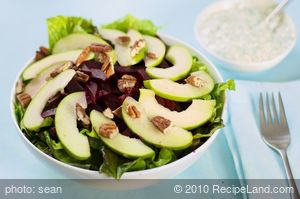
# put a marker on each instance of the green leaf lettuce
(144, 26)
(61, 26)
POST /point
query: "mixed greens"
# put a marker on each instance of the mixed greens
(116, 98)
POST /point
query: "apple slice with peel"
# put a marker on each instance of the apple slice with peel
(174, 137)
(199, 112)
(32, 119)
(111, 35)
(41, 79)
(123, 145)
(156, 51)
(182, 60)
(35, 68)
(168, 89)
(77, 41)
(130, 52)
(74, 143)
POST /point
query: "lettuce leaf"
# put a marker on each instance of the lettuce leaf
(218, 94)
(89, 133)
(61, 26)
(61, 155)
(115, 166)
(19, 112)
(198, 65)
(130, 22)
(221, 87)
(164, 157)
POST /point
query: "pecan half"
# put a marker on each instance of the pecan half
(108, 113)
(123, 40)
(60, 69)
(108, 67)
(151, 55)
(161, 123)
(133, 112)
(101, 57)
(195, 81)
(24, 99)
(126, 82)
(97, 47)
(82, 116)
(44, 50)
(83, 55)
(20, 87)
(41, 53)
(107, 130)
(81, 76)
(137, 46)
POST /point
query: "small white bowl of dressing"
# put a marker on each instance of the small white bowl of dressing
(232, 32)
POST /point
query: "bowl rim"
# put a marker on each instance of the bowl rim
(258, 65)
(132, 174)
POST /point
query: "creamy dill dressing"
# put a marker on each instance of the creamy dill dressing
(234, 33)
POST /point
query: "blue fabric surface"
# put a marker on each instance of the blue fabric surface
(253, 158)
(23, 29)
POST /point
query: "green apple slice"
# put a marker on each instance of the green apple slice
(123, 145)
(74, 143)
(34, 69)
(181, 92)
(38, 82)
(182, 60)
(111, 34)
(124, 52)
(77, 41)
(32, 118)
(174, 138)
(156, 48)
(198, 113)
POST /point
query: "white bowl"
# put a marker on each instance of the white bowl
(163, 172)
(234, 64)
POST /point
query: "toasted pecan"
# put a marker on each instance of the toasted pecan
(195, 81)
(107, 130)
(83, 55)
(161, 123)
(133, 112)
(24, 99)
(82, 116)
(123, 40)
(126, 82)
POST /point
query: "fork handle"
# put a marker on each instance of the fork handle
(291, 181)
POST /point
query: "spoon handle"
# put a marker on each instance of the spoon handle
(277, 9)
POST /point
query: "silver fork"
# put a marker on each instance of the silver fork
(275, 132)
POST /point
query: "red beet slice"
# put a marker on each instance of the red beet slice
(112, 101)
(48, 113)
(73, 86)
(138, 71)
(52, 132)
(91, 89)
(127, 132)
(93, 69)
(173, 106)
(164, 64)
(54, 101)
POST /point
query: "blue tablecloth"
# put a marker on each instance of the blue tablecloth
(23, 29)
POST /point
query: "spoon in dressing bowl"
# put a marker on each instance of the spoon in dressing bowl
(270, 19)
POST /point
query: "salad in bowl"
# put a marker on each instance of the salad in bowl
(116, 98)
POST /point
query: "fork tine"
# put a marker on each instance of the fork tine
(282, 112)
(261, 111)
(276, 120)
(269, 116)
